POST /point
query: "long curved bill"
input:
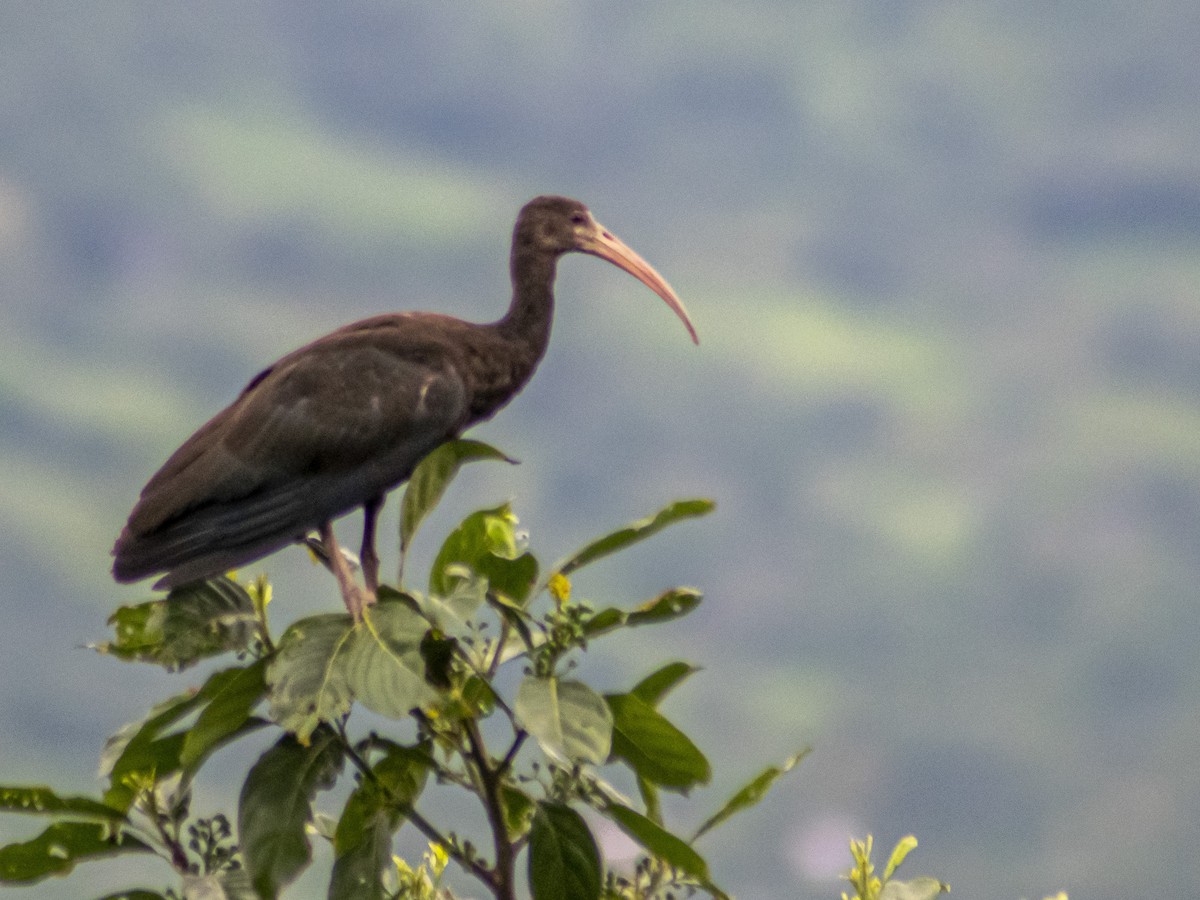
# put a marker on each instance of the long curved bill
(606, 245)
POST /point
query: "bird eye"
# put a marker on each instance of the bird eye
(578, 218)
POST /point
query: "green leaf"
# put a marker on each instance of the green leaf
(402, 772)
(658, 841)
(518, 810)
(227, 714)
(654, 748)
(634, 532)
(750, 794)
(569, 720)
(57, 849)
(363, 838)
(431, 477)
(306, 678)
(362, 846)
(650, 799)
(137, 750)
(384, 667)
(673, 604)
(276, 805)
(605, 620)
(564, 862)
(923, 888)
(192, 623)
(904, 846)
(139, 894)
(486, 543)
(655, 686)
(43, 801)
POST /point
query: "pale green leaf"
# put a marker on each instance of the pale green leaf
(306, 679)
(904, 846)
(570, 721)
(384, 668)
(923, 888)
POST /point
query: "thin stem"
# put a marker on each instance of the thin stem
(179, 858)
(506, 763)
(504, 886)
(423, 825)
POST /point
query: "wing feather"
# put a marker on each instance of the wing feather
(317, 434)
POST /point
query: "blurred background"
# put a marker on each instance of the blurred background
(943, 261)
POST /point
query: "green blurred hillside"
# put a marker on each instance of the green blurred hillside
(943, 261)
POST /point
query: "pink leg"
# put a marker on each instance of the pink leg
(351, 594)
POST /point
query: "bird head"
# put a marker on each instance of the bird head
(556, 225)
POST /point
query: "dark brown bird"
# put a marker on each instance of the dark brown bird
(338, 423)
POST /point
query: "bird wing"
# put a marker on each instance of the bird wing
(317, 434)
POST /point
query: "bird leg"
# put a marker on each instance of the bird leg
(352, 595)
(368, 558)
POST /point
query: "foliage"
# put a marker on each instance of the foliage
(537, 758)
(867, 886)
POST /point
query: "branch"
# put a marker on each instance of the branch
(423, 825)
(491, 780)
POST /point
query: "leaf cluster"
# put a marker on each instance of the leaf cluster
(538, 759)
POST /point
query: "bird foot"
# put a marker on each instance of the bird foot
(357, 599)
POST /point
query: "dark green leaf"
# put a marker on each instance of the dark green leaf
(605, 620)
(634, 532)
(276, 805)
(654, 748)
(362, 845)
(655, 686)
(227, 713)
(306, 678)
(57, 849)
(437, 651)
(357, 872)
(518, 810)
(564, 862)
(373, 812)
(750, 794)
(192, 623)
(384, 668)
(569, 720)
(431, 477)
(672, 604)
(138, 894)
(43, 801)
(486, 543)
(658, 841)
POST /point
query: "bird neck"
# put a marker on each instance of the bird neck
(527, 322)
